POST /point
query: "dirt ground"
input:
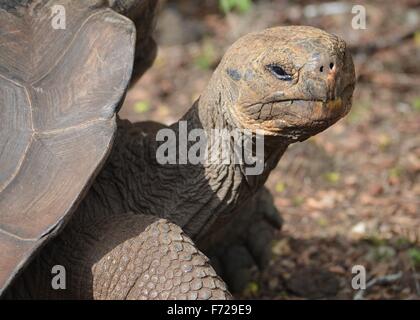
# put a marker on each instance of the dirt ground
(349, 196)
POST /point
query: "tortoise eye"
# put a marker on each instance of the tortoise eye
(279, 72)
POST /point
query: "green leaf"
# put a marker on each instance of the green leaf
(417, 38)
(280, 187)
(252, 288)
(332, 177)
(202, 62)
(141, 106)
(395, 172)
(384, 141)
(225, 5)
(298, 201)
(322, 222)
(207, 56)
(416, 103)
(243, 5)
(414, 254)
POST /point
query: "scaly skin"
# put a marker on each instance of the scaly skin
(244, 93)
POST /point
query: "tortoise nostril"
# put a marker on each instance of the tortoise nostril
(331, 65)
(321, 69)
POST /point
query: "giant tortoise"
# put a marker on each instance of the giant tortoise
(82, 190)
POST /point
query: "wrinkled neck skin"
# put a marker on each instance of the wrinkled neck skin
(192, 195)
(205, 192)
(214, 190)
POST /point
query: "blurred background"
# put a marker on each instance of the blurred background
(349, 196)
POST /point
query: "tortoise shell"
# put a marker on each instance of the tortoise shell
(60, 90)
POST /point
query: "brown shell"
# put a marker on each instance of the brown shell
(59, 94)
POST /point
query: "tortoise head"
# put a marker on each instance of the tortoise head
(291, 82)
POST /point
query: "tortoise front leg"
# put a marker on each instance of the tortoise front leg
(122, 257)
(144, 257)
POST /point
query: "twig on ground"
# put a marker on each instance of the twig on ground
(378, 281)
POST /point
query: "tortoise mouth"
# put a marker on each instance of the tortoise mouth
(348, 88)
(305, 112)
(309, 111)
(300, 117)
(346, 92)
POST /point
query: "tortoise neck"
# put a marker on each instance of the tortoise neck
(197, 191)
(192, 193)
